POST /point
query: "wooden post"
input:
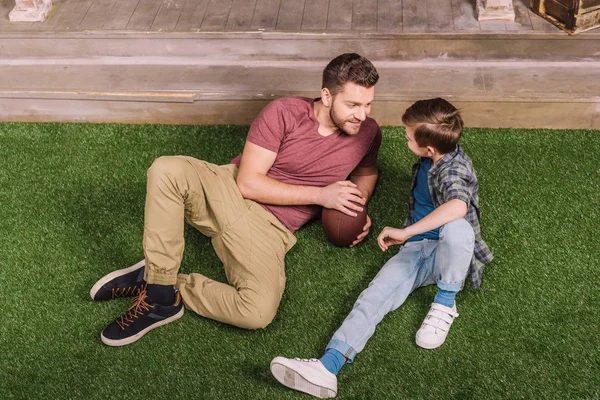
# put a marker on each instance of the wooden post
(30, 10)
(489, 10)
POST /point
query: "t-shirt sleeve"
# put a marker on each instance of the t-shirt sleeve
(371, 157)
(456, 183)
(269, 128)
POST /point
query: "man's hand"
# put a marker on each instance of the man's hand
(340, 196)
(364, 233)
(391, 236)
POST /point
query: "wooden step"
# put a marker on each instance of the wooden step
(497, 80)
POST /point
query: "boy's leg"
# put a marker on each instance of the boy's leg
(409, 269)
(452, 259)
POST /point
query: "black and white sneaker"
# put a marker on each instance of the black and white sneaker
(126, 282)
(141, 318)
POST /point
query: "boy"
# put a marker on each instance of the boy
(442, 243)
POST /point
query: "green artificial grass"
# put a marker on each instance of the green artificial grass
(72, 202)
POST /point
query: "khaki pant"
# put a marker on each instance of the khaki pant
(249, 241)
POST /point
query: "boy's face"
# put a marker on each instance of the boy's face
(413, 145)
(351, 106)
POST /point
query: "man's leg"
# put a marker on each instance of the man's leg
(451, 263)
(252, 250)
(411, 268)
(177, 188)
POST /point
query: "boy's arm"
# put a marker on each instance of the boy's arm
(447, 212)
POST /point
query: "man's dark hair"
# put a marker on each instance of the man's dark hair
(349, 67)
(436, 123)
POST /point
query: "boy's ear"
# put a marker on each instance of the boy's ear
(431, 151)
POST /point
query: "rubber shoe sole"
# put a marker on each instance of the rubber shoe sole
(140, 334)
(115, 274)
(293, 380)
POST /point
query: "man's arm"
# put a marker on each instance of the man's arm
(365, 179)
(254, 184)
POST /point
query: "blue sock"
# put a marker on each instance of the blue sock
(445, 298)
(333, 360)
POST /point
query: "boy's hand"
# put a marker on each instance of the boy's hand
(364, 233)
(391, 236)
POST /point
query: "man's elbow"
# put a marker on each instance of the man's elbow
(244, 187)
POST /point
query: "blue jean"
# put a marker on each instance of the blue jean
(444, 262)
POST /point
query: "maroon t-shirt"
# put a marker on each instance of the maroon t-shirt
(288, 127)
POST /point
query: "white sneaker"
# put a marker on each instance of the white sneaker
(436, 325)
(306, 375)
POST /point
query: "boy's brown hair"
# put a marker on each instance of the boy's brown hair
(349, 67)
(436, 123)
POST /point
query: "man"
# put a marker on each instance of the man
(300, 155)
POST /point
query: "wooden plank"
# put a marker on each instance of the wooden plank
(265, 14)
(240, 17)
(414, 16)
(439, 16)
(62, 8)
(144, 15)
(216, 15)
(120, 14)
(389, 15)
(522, 19)
(493, 26)
(315, 14)
(72, 15)
(192, 15)
(463, 15)
(242, 48)
(97, 14)
(490, 114)
(290, 15)
(131, 112)
(339, 15)
(168, 15)
(364, 15)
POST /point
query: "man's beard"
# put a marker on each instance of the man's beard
(339, 123)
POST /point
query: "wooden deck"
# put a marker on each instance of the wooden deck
(392, 16)
(221, 61)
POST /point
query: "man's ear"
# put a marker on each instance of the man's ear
(326, 97)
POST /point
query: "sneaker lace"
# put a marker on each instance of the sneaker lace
(125, 292)
(138, 308)
(306, 359)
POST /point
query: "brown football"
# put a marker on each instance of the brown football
(342, 229)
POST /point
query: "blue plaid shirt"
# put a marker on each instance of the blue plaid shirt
(453, 177)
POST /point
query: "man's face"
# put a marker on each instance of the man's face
(351, 106)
